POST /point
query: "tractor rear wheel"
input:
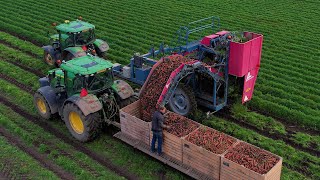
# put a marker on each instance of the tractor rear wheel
(48, 58)
(103, 55)
(183, 101)
(83, 128)
(42, 105)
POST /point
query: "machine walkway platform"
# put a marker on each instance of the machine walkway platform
(163, 158)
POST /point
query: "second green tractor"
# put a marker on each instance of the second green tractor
(73, 39)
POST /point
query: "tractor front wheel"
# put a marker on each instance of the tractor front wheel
(83, 128)
(48, 58)
(42, 105)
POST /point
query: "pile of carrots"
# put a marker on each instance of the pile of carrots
(157, 79)
(179, 125)
(252, 158)
(211, 140)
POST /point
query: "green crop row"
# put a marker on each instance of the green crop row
(277, 110)
(272, 126)
(20, 75)
(259, 121)
(33, 134)
(24, 46)
(18, 164)
(13, 55)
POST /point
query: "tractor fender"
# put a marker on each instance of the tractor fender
(123, 89)
(75, 51)
(101, 45)
(49, 94)
(88, 104)
(49, 49)
(44, 81)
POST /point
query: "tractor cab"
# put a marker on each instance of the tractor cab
(73, 39)
(75, 34)
(87, 72)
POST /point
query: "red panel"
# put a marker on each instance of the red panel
(206, 40)
(222, 33)
(245, 56)
(249, 82)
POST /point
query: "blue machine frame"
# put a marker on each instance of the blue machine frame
(181, 45)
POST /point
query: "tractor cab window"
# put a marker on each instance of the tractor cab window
(99, 81)
(84, 37)
(69, 40)
(78, 83)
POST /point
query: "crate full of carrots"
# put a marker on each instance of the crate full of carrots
(203, 149)
(246, 161)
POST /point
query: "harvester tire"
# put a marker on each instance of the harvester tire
(42, 106)
(183, 101)
(83, 128)
(48, 59)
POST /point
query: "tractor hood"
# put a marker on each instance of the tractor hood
(86, 65)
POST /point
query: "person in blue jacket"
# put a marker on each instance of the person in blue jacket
(157, 127)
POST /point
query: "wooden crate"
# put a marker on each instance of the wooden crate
(232, 170)
(201, 159)
(172, 145)
(132, 125)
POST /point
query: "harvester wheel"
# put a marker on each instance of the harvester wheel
(42, 105)
(48, 58)
(183, 101)
(83, 128)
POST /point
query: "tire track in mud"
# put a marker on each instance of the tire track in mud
(76, 145)
(21, 86)
(46, 163)
(62, 152)
(26, 68)
(17, 48)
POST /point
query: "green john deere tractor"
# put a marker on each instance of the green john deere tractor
(73, 39)
(83, 92)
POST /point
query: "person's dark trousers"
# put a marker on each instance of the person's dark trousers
(157, 136)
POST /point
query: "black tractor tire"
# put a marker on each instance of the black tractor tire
(42, 106)
(183, 101)
(102, 55)
(83, 128)
(48, 59)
